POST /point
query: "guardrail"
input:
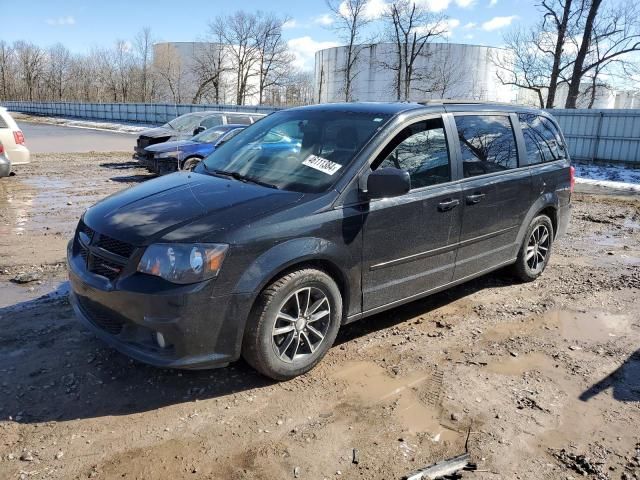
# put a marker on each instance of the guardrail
(601, 135)
(592, 135)
(150, 113)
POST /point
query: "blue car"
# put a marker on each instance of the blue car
(169, 157)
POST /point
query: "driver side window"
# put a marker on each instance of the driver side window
(420, 149)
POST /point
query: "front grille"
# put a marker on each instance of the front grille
(115, 246)
(106, 319)
(103, 267)
(97, 262)
(146, 141)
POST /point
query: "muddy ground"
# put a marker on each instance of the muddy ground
(543, 378)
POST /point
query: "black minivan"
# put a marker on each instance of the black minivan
(315, 217)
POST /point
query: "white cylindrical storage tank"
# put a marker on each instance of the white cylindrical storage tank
(445, 70)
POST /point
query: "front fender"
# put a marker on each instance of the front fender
(286, 254)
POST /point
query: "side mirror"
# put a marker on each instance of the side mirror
(388, 182)
(198, 130)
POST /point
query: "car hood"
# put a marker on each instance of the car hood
(159, 132)
(188, 204)
(170, 146)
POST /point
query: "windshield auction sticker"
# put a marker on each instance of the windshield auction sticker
(321, 164)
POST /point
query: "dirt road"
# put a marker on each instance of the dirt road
(537, 375)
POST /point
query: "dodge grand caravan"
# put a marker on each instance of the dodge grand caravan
(265, 252)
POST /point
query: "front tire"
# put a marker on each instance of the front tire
(293, 324)
(535, 251)
(191, 163)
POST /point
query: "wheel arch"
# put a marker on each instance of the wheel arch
(546, 204)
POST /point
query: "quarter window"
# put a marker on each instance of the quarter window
(241, 119)
(421, 150)
(542, 139)
(487, 144)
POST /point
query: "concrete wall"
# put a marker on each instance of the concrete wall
(448, 70)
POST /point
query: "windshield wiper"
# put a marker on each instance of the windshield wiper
(244, 178)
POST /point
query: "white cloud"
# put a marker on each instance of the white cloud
(68, 20)
(493, 3)
(305, 48)
(325, 20)
(469, 25)
(468, 36)
(497, 23)
(434, 5)
(465, 3)
(447, 25)
(292, 23)
(373, 9)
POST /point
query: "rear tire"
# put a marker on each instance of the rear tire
(535, 251)
(293, 324)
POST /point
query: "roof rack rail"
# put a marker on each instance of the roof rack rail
(451, 101)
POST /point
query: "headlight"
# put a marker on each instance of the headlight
(173, 154)
(183, 263)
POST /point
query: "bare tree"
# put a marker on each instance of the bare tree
(7, 71)
(351, 21)
(561, 22)
(209, 69)
(274, 59)
(170, 70)
(609, 37)
(31, 61)
(143, 44)
(238, 32)
(523, 65)
(411, 27)
(58, 63)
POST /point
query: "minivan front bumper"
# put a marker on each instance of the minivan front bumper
(199, 330)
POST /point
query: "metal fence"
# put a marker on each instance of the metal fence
(592, 135)
(150, 113)
(601, 135)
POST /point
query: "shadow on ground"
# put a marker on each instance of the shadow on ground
(624, 382)
(55, 370)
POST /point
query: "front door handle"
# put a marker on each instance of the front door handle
(446, 205)
(475, 198)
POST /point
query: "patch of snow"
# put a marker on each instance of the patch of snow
(632, 187)
(609, 173)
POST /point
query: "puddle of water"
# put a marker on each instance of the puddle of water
(13, 294)
(588, 326)
(521, 364)
(574, 326)
(373, 385)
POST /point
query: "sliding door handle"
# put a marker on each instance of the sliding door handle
(475, 198)
(446, 205)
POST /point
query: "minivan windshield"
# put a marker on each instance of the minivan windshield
(298, 150)
(185, 123)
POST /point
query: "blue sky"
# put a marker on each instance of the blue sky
(81, 25)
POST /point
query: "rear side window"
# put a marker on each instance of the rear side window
(487, 144)
(542, 139)
(214, 121)
(3, 124)
(241, 119)
(420, 149)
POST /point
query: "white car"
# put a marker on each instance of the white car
(12, 139)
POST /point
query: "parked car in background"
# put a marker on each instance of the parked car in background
(12, 139)
(169, 157)
(265, 252)
(186, 126)
(5, 164)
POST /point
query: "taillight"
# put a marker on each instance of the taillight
(18, 136)
(1, 149)
(572, 178)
